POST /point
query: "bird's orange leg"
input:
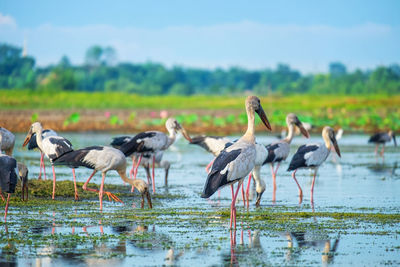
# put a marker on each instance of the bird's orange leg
(312, 187)
(248, 190)
(41, 165)
(274, 182)
(109, 195)
(133, 167)
(243, 197)
(233, 206)
(136, 169)
(54, 182)
(300, 191)
(76, 189)
(383, 150)
(6, 209)
(44, 167)
(101, 190)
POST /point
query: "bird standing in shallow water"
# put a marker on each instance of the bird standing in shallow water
(7, 141)
(312, 156)
(104, 159)
(152, 142)
(33, 144)
(234, 163)
(279, 151)
(382, 138)
(53, 147)
(8, 177)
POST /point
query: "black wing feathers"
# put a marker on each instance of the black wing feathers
(133, 146)
(8, 176)
(298, 159)
(76, 158)
(271, 153)
(215, 179)
(119, 141)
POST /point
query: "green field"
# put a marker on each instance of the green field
(350, 112)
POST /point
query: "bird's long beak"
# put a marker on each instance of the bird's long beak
(148, 199)
(263, 117)
(27, 138)
(336, 146)
(302, 129)
(185, 134)
(394, 140)
(258, 199)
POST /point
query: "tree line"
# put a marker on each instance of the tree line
(100, 72)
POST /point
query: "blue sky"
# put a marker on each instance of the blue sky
(307, 35)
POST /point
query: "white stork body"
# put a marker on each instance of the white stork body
(312, 156)
(7, 141)
(234, 163)
(152, 142)
(103, 159)
(274, 153)
(53, 147)
(33, 144)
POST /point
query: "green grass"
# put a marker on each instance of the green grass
(350, 112)
(28, 99)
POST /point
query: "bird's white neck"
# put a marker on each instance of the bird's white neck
(125, 178)
(39, 138)
(171, 137)
(290, 134)
(249, 135)
(260, 184)
(327, 141)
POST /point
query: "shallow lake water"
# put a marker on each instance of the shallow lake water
(347, 226)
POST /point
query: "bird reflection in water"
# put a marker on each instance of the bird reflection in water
(242, 254)
(306, 240)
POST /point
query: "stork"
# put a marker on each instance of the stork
(159, 162)
(279, 151)
(23, 176)
(53, 147)
(213, 144)
(103, 159)
(312, 156)
(234, 163)
(382, 138)
(8, 177)
(33, 144)
(152, 142)
(7, 140)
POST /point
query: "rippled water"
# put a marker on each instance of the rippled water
(357, 182)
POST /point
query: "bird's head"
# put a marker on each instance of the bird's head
(292, 119)
(35, 128)
(329, 133)
(393, 136)
(143, 189)
(260, 189)
(253, 104)
(173, 125)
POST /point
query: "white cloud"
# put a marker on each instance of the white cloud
(248, 44)
(6, 20)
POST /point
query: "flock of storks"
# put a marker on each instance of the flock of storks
(233, 160)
